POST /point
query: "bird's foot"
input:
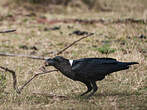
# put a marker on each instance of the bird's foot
(90, 95)
(83, 94)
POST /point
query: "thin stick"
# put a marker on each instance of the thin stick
(7, 31)
(43, 58)
(73, 43)
(21, 55)
(26, 83)
(18, 90)
(13, 76)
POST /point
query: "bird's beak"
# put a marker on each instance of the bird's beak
(46, 63)
(49, 62)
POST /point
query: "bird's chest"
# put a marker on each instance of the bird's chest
(67, 71)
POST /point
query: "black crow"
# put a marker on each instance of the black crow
(87, 70)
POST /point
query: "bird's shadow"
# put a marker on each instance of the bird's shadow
(106, 94)
(78, 97)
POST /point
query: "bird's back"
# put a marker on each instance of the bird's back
(97, 68)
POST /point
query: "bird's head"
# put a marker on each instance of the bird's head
(54, 61)
(49, 62)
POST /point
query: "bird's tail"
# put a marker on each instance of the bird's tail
(131, 63)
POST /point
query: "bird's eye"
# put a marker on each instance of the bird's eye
(57, 58)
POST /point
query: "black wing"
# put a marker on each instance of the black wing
(92, 67)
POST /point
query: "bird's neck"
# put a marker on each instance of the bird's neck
(65, 69)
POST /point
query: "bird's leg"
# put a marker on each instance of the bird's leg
(94, 86)
(89, 88)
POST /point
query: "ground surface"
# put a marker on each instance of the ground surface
(119, 91)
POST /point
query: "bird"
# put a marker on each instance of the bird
(87, 70)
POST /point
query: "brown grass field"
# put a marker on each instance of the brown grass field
(124, 90)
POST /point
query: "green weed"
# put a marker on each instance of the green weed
(105, 49)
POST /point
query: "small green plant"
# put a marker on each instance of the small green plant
(105, 49)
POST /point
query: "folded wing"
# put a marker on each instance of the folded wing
(96, 67)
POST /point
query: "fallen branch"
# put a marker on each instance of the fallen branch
(18, 90)
(7, 31)
(21, 55)
(44, 58)
(73, 43)
(13, 76)
(21, 88)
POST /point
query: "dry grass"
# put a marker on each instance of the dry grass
(119, 91)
